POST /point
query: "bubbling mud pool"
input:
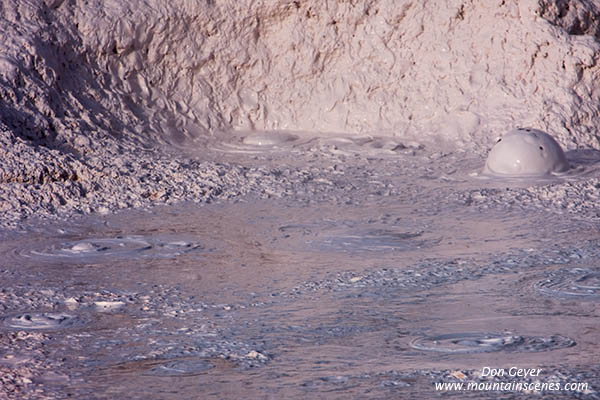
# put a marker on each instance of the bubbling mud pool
(360, 284)
(90, 249)
(487, 342)
(577, 283)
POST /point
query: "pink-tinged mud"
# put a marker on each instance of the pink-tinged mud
(375, 277)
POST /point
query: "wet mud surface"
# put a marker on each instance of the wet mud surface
(357, 286)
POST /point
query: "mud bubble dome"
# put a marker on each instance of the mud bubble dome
(526, 152)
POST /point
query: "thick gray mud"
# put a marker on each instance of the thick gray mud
(370, 279)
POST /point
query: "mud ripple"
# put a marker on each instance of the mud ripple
(180, 368)
(575, 283)
(376, 240)
(91, 249)
(476, 342)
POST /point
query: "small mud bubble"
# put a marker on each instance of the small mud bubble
(471, 342)
(577, 283)
(526, 152)
(41, 321)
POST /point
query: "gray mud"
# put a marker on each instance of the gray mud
(248, 261)
(370, 277)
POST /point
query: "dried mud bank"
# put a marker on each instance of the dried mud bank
(91, 91)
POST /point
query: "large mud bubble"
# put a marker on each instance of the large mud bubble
(526, 152)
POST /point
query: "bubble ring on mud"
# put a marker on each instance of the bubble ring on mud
(376, 240)
(526, 152)
(41, 321)
(581, 284)
(180, 368)
(260, 142)
(120, 246)
(272, 138)
(471, 342)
